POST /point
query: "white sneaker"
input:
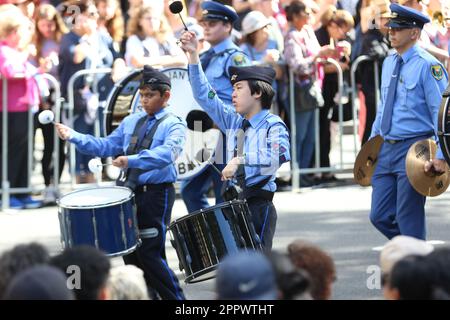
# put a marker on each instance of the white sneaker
(49, 195)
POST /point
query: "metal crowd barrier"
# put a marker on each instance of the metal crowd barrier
(341, 166)
(356, 102)
(6, 189)
(71, 106)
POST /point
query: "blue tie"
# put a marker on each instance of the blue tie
(206, 57)
(239, 151)
(390, 98)
(144, 129)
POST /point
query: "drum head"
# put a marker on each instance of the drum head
(95, 197)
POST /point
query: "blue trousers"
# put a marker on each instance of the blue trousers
(154, 210)
(305, 137)
(397, 209)
(194, 190)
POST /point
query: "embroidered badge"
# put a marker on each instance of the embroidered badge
(239, 60)
(211, 94)
(437, 72)
(233, 77)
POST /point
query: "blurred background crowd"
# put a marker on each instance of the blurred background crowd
(60, 38)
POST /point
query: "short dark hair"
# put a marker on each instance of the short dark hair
(18, 259)
(161, 88)
(294, 8)
(94, 267)
(266, 90)
(413, 278)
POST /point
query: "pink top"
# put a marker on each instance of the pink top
(299, 51)
(23, 92)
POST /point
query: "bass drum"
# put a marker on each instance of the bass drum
(444, 125)
(201, 137)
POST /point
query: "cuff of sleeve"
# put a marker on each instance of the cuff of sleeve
(194, 68)
(133, 160)
(75, 136)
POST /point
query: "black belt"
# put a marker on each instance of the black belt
(249, 193)
(146, 187)
(392, 141)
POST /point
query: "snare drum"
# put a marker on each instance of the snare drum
(102, 217)
(203, 238)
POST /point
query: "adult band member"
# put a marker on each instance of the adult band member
(412, 85)
(150, 140)
(255, 159)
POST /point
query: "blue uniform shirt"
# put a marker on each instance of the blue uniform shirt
(158, 161)
(422, 80)
(226, 54)
(266, 145)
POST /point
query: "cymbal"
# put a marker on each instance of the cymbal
(429, 184)
(366, 161)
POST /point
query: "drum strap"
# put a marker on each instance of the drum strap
(132, 174)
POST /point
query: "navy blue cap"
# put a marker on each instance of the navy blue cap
(405, 17)
(151, 76)
(266, 74)
(246, 275)
(213, 10)
(39, 283)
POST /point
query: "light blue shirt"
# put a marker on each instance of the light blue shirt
(266, 145)
(226, 54)
(158, 161)
(422, 80)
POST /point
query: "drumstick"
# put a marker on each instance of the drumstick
(176, 7)
(205, 154)
(46, 117)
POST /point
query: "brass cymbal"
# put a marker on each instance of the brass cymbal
(429, 184)
(366, 161)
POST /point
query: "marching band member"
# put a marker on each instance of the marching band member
(150, 140)
(255, 158)
(411, 90)
(217, 22)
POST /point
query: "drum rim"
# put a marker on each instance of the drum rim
(198, 212)
(192, 277)
(103, 205)
(442, 117)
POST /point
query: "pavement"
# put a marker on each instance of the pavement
(336, 219)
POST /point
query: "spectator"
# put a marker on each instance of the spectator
(86, 48)
(49, 30)
(393, 251)
(93, 267)
(127, 283)
(318, 264)
(151, 41)
(335, 26)
(301, 52)
(246, 275)
(111, 21)
(439, 261)
(18, 259)
(39, 283)
(411, 279)
(375, 44)
(293, 283)
(23, 95)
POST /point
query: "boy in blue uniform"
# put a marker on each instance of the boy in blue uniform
(150, 140)
(411, 92)
(257, 141)
(217, 21)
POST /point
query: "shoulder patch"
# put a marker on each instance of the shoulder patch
(437, 72)
(211, 94)
(239, 60)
